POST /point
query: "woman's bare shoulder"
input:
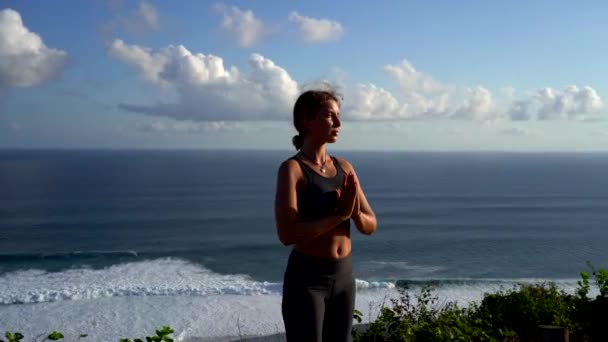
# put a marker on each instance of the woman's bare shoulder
(291, 168)
(346, 165)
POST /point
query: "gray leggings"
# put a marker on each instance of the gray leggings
(318, 299)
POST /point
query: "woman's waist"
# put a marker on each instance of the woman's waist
(303, 263)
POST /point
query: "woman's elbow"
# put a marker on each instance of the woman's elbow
(367, 225)
(368, 230)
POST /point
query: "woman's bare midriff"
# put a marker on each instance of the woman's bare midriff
(334, 245)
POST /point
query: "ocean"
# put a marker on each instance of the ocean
(118, 243)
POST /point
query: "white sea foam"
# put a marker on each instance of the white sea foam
(162, 277)
(131, 300)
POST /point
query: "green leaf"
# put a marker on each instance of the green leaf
(9, 335)
(55, 335)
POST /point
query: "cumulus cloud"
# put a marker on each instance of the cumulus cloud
(24, 58)
(420, 96)
(368, 102)
(314, 30)
(520, 110)
(205, 89)
(243, 26)
(412, 80)
(477, 105)
(573, 102)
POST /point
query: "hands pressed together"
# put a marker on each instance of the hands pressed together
(348, 199)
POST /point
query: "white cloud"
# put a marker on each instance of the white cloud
(477, 105)
(189, 127)
(149, 15)
(24, 58)
(242, 25)
(412, 80)
(315, 30)
(516, 131)
(573, 102)
(420, 96)
(368, 102)
(144, 19)
(205, 89)
(520, 110)
(508, 93)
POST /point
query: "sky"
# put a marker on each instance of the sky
(426, 75)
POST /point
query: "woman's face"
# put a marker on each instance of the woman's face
(325, 127)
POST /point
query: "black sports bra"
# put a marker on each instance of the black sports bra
(318, 198)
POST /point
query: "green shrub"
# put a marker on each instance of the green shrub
(423, 320)
(508, 315)
(521, 310)
(162, 335)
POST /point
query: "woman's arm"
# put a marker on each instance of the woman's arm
(289, 228)
(363, 215)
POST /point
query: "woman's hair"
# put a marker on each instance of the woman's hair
(307, 106)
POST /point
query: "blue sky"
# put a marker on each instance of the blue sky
(468, 75)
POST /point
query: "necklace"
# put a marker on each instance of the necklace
(314, 161)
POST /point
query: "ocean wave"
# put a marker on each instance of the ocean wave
(370, 285)
(176, 277)
(160, 277)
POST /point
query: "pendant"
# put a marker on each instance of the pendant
(322, 169)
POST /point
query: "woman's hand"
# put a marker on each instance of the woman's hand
(348, 197)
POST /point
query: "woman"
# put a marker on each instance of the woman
(316, 197)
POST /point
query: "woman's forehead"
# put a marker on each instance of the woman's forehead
(331, 105)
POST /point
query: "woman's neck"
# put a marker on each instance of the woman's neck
(315, 152)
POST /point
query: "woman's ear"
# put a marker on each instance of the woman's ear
(306, 123)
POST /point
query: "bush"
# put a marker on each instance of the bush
(508, 315)
(519, 311)
(162, 335)
(423, 320)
